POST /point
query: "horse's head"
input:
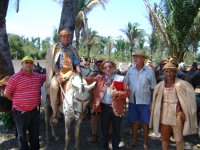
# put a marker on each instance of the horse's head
(79, 84)
(78, 97)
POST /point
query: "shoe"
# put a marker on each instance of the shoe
(92, 138)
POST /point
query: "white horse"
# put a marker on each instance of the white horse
(74, 103)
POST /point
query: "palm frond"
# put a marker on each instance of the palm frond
(93, 3)
(159, 25)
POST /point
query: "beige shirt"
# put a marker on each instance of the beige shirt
(169, 103)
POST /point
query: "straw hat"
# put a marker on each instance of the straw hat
(170, 65)
(140, 53)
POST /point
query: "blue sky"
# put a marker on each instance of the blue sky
(38, 18)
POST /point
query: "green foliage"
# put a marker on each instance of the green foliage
(177, 25)
(6, 118)
(198, 58)
(21, 46)
(134, 34)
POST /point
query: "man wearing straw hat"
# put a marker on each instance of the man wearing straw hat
(62, 62)
(141, 81)
(173, 108)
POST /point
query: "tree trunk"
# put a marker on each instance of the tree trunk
(89, 48)
(68, 16)
(6, 66)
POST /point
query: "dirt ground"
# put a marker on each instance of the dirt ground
(9, 142)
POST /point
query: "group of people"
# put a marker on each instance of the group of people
(167, 106)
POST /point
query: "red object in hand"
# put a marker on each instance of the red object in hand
(118, 85)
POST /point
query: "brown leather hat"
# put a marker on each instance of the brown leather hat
(109, 61)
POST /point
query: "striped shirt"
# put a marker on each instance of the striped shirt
(25, 90)
(141, 83)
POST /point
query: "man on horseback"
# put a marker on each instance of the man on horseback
(62, 62)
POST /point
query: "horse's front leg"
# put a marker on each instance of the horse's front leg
(67, 129)
(77, 132)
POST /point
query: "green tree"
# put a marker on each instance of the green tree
(121, 46)
(16, 46)
(89, 39)
(133, 33)
(45, 47)
(176, 22)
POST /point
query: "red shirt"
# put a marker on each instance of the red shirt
(25, 90)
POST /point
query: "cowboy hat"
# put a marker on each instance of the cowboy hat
(170, 65)
(109, 61)
(140, 53)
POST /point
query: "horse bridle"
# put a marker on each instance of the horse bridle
(89, 72)
(65, 97)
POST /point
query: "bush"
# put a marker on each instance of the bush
(6, 119)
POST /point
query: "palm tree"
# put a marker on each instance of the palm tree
(177, 22)
(6, 65)
(120, 45)
(133, 34)
(83, 8)
(89, 39)
(109, 45)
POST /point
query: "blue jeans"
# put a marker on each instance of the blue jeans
(108, 117)
(27, 121)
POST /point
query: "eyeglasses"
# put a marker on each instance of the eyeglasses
(28, 62)
(107, 67)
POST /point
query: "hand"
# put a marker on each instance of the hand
(182, 116)
(60, 78)
(114, 93)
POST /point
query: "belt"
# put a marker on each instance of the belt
(34, 109)
(106, 105)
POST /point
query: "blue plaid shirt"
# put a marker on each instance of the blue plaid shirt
(141, 83)
(75, 60)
